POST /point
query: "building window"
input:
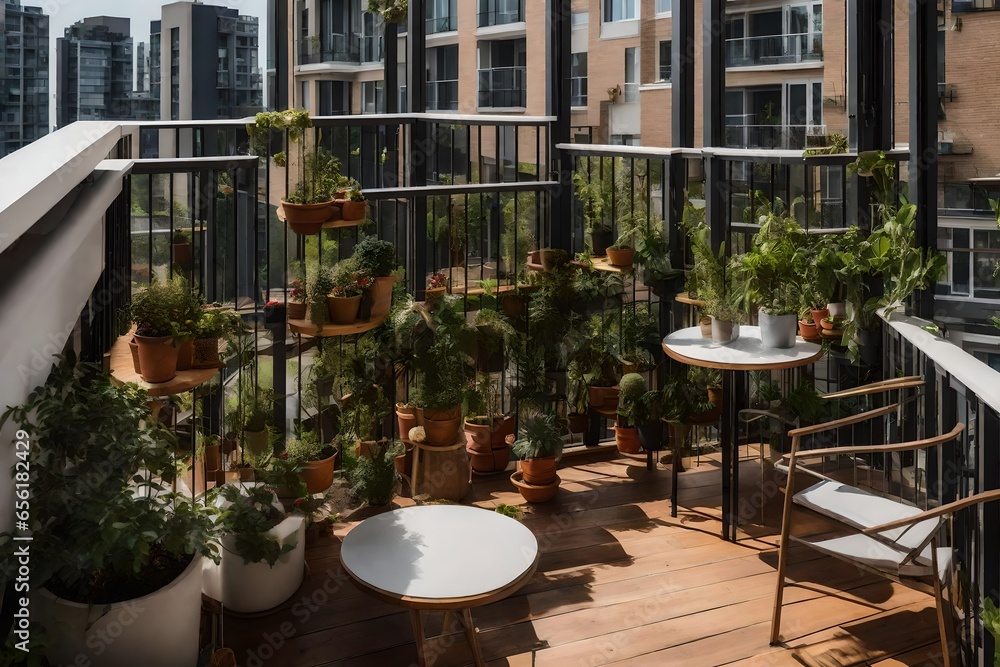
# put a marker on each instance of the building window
(442, 16)
(631, 87)
(665, 60)
(502, 76)
(371, 96)
(625, 140)
(619, 10)
(579, 80)
(442, 78)
(664, 6)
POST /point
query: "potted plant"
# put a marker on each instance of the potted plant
(315, 459)
(180, 248)
(437, 286)
(630, 412)
(494, 333)
(260, 544)
(808, 328)
(214, 324)
(109, 539)
(538, 450)
(487, 428)
(594, 187)
(164, 315)
(355, 205)
(310, 204)
(320, 287)
(256, 409)
(344, 300)
(772, 278)
(298, 299)
(377, 258)
(715, 280)
(373, 478)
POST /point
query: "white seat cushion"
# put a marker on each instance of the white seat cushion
(868, 551)
(861, 509)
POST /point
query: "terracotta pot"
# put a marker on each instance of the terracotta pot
(206, 353)
(432, 294)
(212, 461)
(382, 295)
(306, 218)
(364, 448)
(535, 493)
(343, 310)
(404, 462)
(182, 253)
(494, 462)
(185, 355)
(454, 412)
(157, 358)
(353, 210)
(297, 310)
(514, 306)
(622, 257)
(539, 471)
(441, 432)
(318, 475)
(819, 315)
(808, 330)
(406, 418)
(715, 396)
(706, 327)
(483, 438)
(229, 444)
(550, 259)
(603, 398)
(247, 474)
(627, 439)
(578, 423)
(134, 349)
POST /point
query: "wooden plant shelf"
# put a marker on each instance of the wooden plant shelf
(604, 264)
(329, 224)
(684, 297)
(123, 372)
(307, 328)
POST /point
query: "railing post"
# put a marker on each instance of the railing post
(714, 96)
(558, 104)
(923, 133)
(682, 71)
(419, 149)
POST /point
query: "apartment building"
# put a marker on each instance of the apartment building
(24, 78)
(94, 78)
(204, 62)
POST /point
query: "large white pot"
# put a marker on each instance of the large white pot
(777, 331)
(156, 630)
(254, 587)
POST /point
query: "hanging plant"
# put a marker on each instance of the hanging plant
(392, 11)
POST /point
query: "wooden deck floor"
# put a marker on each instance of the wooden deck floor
(619, 582)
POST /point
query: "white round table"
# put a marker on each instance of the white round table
(440, 558)
(746, 353)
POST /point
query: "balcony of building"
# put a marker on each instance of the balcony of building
(499, 13)
(502, 88)
(442, 16)
(774, 50)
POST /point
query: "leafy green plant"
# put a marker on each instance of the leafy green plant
(991, 621)
(376, 257)
(772, 275)
(104, 524)
(247, 518)
(320, 286)
(306, 448)
(391, 10)
(318, 171)
(540, 437)
(512, 511)
(435, 344)
(632, 390)
(166, 309)
(373, 479)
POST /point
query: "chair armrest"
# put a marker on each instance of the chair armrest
(879, 387)
(982, 497)
(845, 421)
(880, 449)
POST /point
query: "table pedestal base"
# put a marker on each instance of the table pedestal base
(464, 617)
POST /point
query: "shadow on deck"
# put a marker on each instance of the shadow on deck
(619, 582)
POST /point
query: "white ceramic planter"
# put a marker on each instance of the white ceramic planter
(254, 587)
(156, 630)
(723, 332)
(838, 309)
(777, 331)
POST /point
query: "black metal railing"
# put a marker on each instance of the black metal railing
(499, 12)
(774, 50)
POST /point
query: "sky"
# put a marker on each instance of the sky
(64, 13)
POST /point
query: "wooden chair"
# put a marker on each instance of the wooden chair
(875, 533)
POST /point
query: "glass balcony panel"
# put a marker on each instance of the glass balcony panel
(774, 50)
(502, 87)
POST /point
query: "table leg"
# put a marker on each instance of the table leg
(726, 437)
(675, 462)
(417, 621)
(416, 469)
(470, 633)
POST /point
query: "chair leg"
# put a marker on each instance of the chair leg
(786, 521)
(944, 613)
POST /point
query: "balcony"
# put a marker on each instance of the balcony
(499, 13)
(439, 24)
(442, 95)
(372, 49)
(632, 567)
(222, 79)
(502, 88)
(784, 137)
(774, 50)
(335, 48)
